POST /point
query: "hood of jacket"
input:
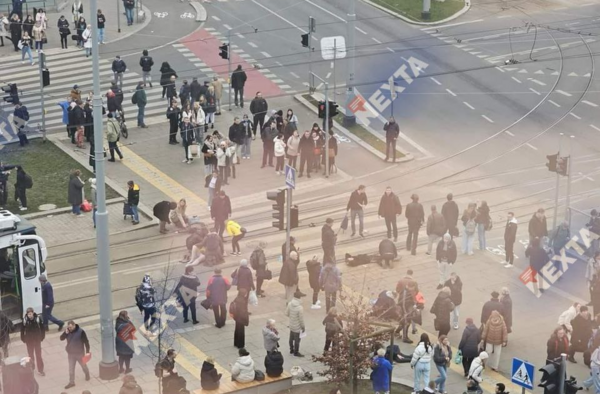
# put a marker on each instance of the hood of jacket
(246, 361)
(295, 304)
(206, 366)
(513, 220)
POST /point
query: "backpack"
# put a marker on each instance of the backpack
(28, 181)
(470, 227)
(158, 371)
(134, 98)
(254, 259)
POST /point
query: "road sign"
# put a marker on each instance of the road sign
(522, 373)
(290, 176)
(329, 43)
(392, 84)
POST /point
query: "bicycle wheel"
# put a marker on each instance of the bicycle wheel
(124, 131)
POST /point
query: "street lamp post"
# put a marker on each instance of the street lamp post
(118, 17)
(349, 118)
(109, 368)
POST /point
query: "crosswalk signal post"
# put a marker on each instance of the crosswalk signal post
(13, 93)
(278, 208)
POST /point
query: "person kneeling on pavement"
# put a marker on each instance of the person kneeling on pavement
(388, 253)
(210, 378)
(385, 306)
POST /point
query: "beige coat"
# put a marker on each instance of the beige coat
(38, 33)
(218, 86)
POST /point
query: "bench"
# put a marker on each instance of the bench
(267, 386)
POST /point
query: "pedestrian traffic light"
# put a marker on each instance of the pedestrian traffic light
(293, 217)
(305, 40)
(224, 51)
(45, 77)
(278, 207)
(13, 93)
(552, 159)
(571, 386)
(333, 109)
(562, 166)
(550, 378)
(321, 108)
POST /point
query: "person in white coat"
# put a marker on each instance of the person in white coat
(41, 18)
(476, 370)
(565, 318)
(232, 149)
(198, 118)
(279, 148)
(421, 363)
(243, 369)
(223, 160)
(87, 40)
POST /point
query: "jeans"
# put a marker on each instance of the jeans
(330, 298)
(76, 209)
(88, 52)
(353, 214)
(112, 147)
(454, 316)
(246, 150)
(101, 35)
(390, 144)
(136, 215)
(129, 15)
(433, 240)
(220, 312)
(411, 238)
(94, 216)
(240, 91)
(467, 243)
(140, 116)
(390, 223)
(119, 77)
(444, 268)
(26, 50)
(422, 370)
(481, 236)
(39, 45)
(441, 381)
(35, 349)
(72, 361)
(47, 315)
(593, 380)
(294, 342)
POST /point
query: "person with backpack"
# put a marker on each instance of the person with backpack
(146, 64)
(510, 236)
(139, 98)
(24, 182)
(144, 299)
(470, 227)
(238, 309)
(331, 282)
(258, 262)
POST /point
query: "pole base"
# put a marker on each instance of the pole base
(108, 371)
(349, 120)
(426, 15)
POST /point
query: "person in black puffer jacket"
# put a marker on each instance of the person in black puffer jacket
(209, 376)
(187, 291)
(146, 64)
(166, 72)
(441, 308)
(274, 364)
(32, 334)
(388, 252)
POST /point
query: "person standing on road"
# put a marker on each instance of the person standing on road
(538, 258)
(174, 116)
(293, 146)
(493, 304)
(187, 139)
(314, 271)
(118, 68)
(78, 346)
(415, 215)
(407, 289)
(238, 80)
(24, 182)
(146, 64)
(133, 199)
(559, 237)
(441, 308)
(455, 286)
(32, 335)
(582, 332)
(237, 136)
(247, 127)
(112, 136)
(436, 227)
(389, 208)
(187, 291)
(484, 223)
(330, 281)
(510, 236)
(295, 312)
(468, 220)
(244, 277)
(494, 337)
(140, 99)
(355, 207)
(538, 228)
(220, 212)
(288, 276)
(450, 213)
(101, 21)
(557, 344)
(124, 331)
(218, 87)
(239, 311)
(268, 135)
(258, 109)
(506, 302)
(469, 345)
(216, 293)
(279, 147)
(258, 261)
(392, 131)
(48, 304)
(64, 31)
(305, 148)
(328, 241)
(166, 72)
(16, 30)
(75, 194)
(445, 255)
(144, 299)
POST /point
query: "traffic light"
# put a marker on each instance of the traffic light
(552, 161)
(305, 40)
(224, 51)
(45, 77)
(321, 108)
(550, 378)
(293, 217)
(13, 93)
(571, 386)
(333, 109)
(278, 207)
(562, 166)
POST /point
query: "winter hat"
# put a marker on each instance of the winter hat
(389, 294)
(483, 356)
(243, 263)
(147, 281)
(381, 352)
(93, 182)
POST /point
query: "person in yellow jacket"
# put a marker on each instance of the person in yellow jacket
(237, 232)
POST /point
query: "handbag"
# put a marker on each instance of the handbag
(259, 376)
(252, 298)
(268, 274)
(317, 151)
(458, 358)
(206, 304)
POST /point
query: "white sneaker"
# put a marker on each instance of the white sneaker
(22, 208)
(318, 302)
(502, 262)
(184, 161)
(508, 266)
(315, 306)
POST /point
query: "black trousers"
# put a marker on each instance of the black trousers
(21, 194)
(294, 342)
(3, 193)
(412, 238)
(220, 312)
(390, 144)
(112, 147)
(259, 119)
(191, 306)
(239, 91)
(63, 40)
(268, 150)
(329, 255)
(172, 132)
(239, 335)
(235, 242)
(260, 278)
(330, 300)
(35, 349)
(220, 227)
(390, 223)
(305, 160)
(124, 361)
(466, 362)
(509, 248)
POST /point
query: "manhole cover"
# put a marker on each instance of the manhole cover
(46, 207)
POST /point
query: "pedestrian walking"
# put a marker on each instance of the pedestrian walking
(113, 130)
(24, 182)
(560, 237)
(510, 237)
(16, 30)
(216, 293)
(493, 304)
(239, 311)
(129, 7)
(421, 363)
(161, 211)
(48, 304)
(313, 266)
(258, 261)
(407, 290)
(389, 208)
(270, 336)
(538, 228)
(166, 72)
(238, 80)
(506, 302)
(392, 131)
(101, 26)
(145, 301)
(140, 99)
(305, 148)
(441, 308)
(450, 213)
(445, 255)
(494, 337)
(217, 85)
(295, 312)
(387, 253)
(469, 228)
(237, 232)
(220, 211)
(469, 345)
(86, 37)
(538, 258)
(333, 326)
(582, 332)
(331, 282)
(133, 200)
(476, 371)
(355, 207)
(258, 109)
(118, 68)
(124, 332)
(33, 334)
(557, 345)
(455, 286)
(288, 276)
(328, 241)
(146, 63)
(415, 215)
(25, 44)
(484, 223)
(268, 135)
(64, 31)
(75, 195)
(78, 346)
(436, 228)
(442, 356)
(382, 371)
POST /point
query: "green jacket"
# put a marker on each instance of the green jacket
(141, 98)
(112, 130)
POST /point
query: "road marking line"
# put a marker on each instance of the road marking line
(451, 92)
(575, 116)
(265, 54)
(360, 30)
(319, 86)
(243, 55)
(459, 46)
(531, 146)
(285, 86)
(563, 93)
(328, 75)
(572, 24)
(553, 103)
(435, 80)
(486, 118)
(483, 56)
(516, 80)
(468, 105)
(238, 50)
(572, 75)
(499, 69)
(280, 17)
(503, 16)
(523, 71)
(509, 133)
(227, 27)
(206, 28)
(253, 45)
(376, 40)
(390, 49)
(326, 10)
(474, 53)
(294, 74)
(279, 64)
(535, 91)
(216, 18)
(538, 82)
(589, 103)
(539, 72)
(594, 127)
(240, 35)
(452, 24)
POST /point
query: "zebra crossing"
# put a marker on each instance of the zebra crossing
(67, 68)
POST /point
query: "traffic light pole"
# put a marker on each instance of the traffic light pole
(562, 372)
(229, 65)
(326, 123)
(288, 215)
(334, 59)
(349, 118)
(310, 73)
(42, 64)
(557, 186)
(569, 178)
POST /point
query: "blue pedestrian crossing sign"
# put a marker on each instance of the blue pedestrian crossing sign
(522, 373)
(290, 177)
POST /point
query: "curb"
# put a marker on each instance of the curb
(143, 25)
(407, 155)
(201, 13)
(460, 13)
